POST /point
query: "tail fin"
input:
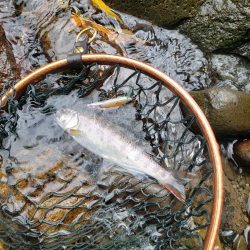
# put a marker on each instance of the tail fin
(174, 184)
(178, 190)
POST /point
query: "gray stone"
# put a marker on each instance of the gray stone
(220, 24)
(243, 50)
(231, 71)
(228, 111)
(160, 12)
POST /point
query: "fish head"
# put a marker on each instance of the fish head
(67, 119)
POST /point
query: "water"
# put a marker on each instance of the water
(41, 31)
(50, 184)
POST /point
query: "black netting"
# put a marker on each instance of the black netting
(61, 208)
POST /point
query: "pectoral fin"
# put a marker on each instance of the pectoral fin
(75, 132)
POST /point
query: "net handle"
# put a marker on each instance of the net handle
(203, 123)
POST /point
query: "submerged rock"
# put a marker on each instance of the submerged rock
(163, 13)
(220, 24)
(242, 153)
(8, 68)
(170, 51)
(228, 111)
(23, 23)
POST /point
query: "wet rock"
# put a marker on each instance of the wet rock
(242, 153)
(171, 52)
(228, 168)
(160, 12)
(243, 50)
(27, 21)
(248, 205)
(240, 243)
(8, 68)
(191, 243)
(203, 233)
(220, 24)
(232, 71)
(232, 218)
(194, 243)
(228, 111)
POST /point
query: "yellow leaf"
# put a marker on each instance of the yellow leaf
(109, 34)
(76, 20)
(82, 22)
(99, 4)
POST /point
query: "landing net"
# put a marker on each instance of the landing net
(61, 209)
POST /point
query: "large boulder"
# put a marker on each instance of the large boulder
(220, 24)
(227, 110)
(160, 12)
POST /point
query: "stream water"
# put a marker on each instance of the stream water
(41, 31)
(34, 159)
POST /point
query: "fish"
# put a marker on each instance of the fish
(111, 103)
(99, 4)
(116, 145)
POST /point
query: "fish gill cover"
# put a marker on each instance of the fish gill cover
(54, 194)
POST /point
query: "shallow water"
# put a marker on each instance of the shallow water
(43, 163)
(47, 174)
(41, 31)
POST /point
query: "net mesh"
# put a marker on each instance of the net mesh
(64, 210)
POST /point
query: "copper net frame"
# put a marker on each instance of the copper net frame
(202, 121)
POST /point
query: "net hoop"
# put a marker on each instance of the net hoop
(213, 147)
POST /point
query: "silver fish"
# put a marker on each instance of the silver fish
(111, 103)
(116, 145)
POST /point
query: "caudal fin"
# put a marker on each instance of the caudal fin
(174, 184)
(178, 190)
